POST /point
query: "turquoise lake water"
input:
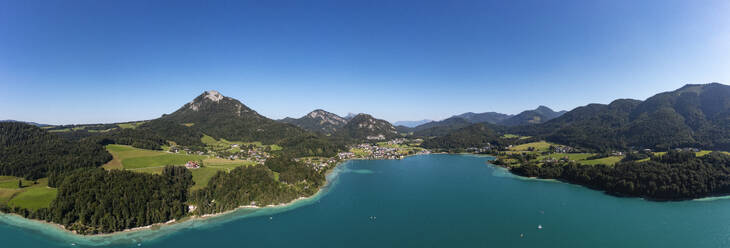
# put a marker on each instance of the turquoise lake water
(428, 201)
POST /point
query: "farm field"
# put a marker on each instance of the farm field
(202, 176)
(537, 146)
(149, 161)
(611, 160)
(31, 196)
(127, 157)
(226, 144)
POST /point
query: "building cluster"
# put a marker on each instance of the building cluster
(687, 149)
(617, 153)
(376, 137)
(484, 149)
(192, 165)
(378, 152)
(556, 160)
(563, 149)
(345, 155)
(321, 164)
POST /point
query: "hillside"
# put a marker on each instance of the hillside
(29, 152)
(477, 135)
(223, 117)
(488, 117)
(318, 121)
(536, 116)
(367, 127)
(411, 124)
(438, 128)
(692, 116)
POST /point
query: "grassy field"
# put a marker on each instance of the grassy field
(31, 196)
(611, 160)
(202, 176)
(131, 125)
(224, 144)
(34, 198)
(148, 161)
(571, 156)
(538, 146)
(127, 157)
(60, 130)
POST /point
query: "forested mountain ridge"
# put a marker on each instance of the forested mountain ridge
(318, 121)
(696, 115)
(443, 127)
(367, 127)
(30, 152)
(536, 116)
(488, 117)
(438, 128)
(476, 135)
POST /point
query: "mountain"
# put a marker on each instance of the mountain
(476, 135)
(319, 121)
(367, 127)
(536, 116)
(27, 122)
(349, 116)
(696, 115)
(221, 117)
(411, 124)
(438, 128)
(489, 117)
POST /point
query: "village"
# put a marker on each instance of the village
(393, 149)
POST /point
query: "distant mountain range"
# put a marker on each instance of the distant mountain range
(696, 115)
(411, 123)
(438, 128)
(489, 117)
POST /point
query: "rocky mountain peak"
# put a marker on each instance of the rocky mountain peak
(213, 95)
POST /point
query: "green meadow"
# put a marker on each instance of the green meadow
(32, 196)
(148, 161)
(537, 146)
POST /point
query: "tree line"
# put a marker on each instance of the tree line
(677, 175)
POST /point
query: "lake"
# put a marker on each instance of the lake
(428, 201)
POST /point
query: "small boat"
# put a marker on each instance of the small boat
(539, 226)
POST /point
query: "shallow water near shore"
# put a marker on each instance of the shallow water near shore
(427, 201)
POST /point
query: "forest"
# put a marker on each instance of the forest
(30, 152)
(93, 200)
(677, 175)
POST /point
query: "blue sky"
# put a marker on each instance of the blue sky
(68, 61)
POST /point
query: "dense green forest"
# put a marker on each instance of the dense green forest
(94, 201)
(308, 145)
(477, 135)
(255, 185)
(30, 152)
(673, 176)
(692, 116)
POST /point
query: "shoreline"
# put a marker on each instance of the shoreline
(186, 218)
